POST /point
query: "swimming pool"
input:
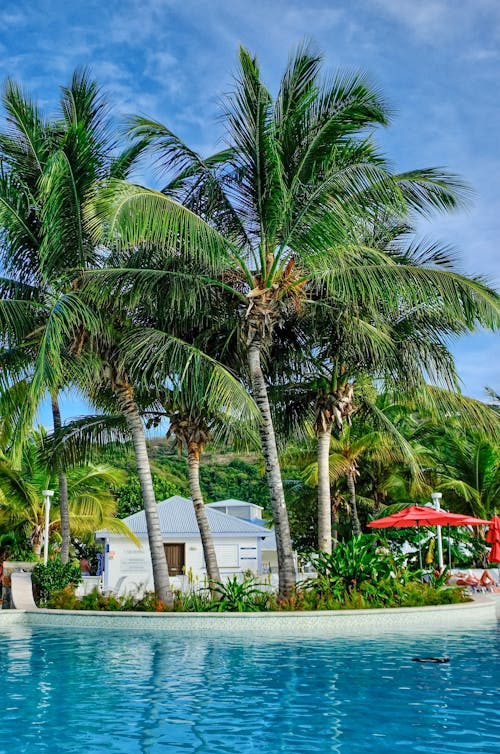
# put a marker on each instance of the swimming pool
(129, 692)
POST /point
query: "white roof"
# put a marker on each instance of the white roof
(177, 517)
(233, 503)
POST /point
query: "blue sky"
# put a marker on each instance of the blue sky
(436, 61)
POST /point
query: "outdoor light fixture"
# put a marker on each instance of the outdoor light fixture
(47, 494)
(436, 499)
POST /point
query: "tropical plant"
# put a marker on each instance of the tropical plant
(48, 167)
(469, 472)
(49, 170)
(90, 500)
(14, 545)
(352, 563)
(238, 596)
(54, 576)
(195, 418)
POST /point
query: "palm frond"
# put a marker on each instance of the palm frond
(82, 441)
(158, 358)
(137, 216)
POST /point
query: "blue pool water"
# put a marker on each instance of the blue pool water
(136, 693)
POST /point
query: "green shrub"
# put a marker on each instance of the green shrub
(95, 600)
(234, 596)
(359, 575)
(192, 602)
(397, 589)
(350, 564)
(53, 577)
(65, 599)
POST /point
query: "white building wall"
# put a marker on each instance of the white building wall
(128, 568)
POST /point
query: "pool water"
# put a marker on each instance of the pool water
(131, 693)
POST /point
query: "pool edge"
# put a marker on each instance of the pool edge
(481, 611)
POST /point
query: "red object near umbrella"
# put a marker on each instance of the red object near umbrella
(494, 555)
(493, 533)
(493, 536)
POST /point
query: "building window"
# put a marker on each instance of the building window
(176, 558)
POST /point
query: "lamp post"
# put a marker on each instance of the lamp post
(436, 499)
(47, 494)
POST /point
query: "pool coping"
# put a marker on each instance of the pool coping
(481, 611)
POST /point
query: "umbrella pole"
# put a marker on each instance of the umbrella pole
(419, 548)
(440, 549)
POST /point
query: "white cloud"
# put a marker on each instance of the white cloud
(9, 18)
(435, 20)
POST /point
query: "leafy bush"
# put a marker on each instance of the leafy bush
(14, 545)
(64, 599)
(192, 602)
(236, 596)
(53, 577)
(372, 580)
(350, 564)
(359, 575)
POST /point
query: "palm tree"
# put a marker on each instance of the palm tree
(281, 204)
(196, 417)
(50, 168)
(91, 503)
(466, 469)
(345, 455)
(47, 170)
(198, 412)
(349, 352)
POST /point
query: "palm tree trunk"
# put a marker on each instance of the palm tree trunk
(63, 489)
(286, 566)
(324, 496)
(335, 531)
(201, 515)
(351, 486)
(158, 560)
(36, 540)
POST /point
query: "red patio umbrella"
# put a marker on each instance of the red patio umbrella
(493, 536)
(418, 515)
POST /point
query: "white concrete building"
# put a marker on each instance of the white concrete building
(238, 544)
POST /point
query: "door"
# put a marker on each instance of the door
(175, 555)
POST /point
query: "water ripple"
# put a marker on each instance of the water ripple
(136, 693)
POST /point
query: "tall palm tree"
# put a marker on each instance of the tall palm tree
(199, 409)
(280, 204)
(196, 416)
(47, 169)
(50, 168)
